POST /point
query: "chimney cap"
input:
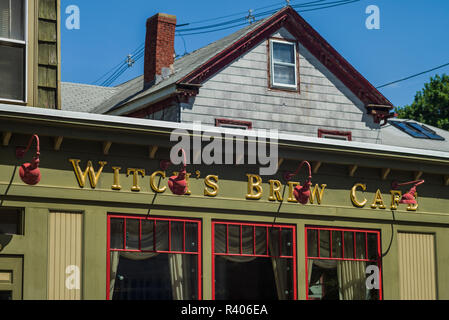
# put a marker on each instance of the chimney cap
(163, 16)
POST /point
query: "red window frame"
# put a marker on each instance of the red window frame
(267, 255)
(331, 229)
(325, 132)
(155, 219)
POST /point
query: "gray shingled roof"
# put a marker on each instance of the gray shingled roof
(390, 135)
(134, 89)
(83, 97)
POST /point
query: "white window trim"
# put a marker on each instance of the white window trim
(24, 43)
(283, 85)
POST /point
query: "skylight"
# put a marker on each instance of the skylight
(416, 130)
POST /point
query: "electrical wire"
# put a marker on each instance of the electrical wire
(413, 76)
(114, 73)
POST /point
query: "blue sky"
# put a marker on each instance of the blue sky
(413, 36)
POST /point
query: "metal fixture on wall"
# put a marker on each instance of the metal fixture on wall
(301, 192)
(29, 172)
(409, 197)
(178, 184)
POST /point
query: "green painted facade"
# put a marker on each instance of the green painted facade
(83, 139)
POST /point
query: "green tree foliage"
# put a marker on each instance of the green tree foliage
(431, 105)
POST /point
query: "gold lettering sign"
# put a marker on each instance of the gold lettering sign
(81, 176)
(378, 202)
(254, 184)
(275, 188)
(211, 182)
(318, 193)
(153, 186)
(354, 199)
(135, 173)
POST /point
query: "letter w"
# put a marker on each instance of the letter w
(81, 176)
(318, 193)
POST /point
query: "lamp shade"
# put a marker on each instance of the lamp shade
(408, 197)
(301, 192)
(178, 184)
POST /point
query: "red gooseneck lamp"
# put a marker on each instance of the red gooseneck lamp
(409, 197)
(29, 172)
(178, 184)
(301, 192)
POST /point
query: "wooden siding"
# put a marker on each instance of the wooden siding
(417, 266)
(47, 55)
(240, 91)
(65, 245)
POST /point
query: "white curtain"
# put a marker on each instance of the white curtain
(179, 265)
(351, 280)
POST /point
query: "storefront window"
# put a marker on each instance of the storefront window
(253, 261)
(154, 259)
(337, 262)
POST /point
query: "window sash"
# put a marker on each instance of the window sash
(20, 41)
(171, 223)
(275, 63)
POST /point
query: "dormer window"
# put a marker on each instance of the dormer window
(12, 50)
(284, 68)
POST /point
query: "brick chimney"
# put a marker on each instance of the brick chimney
(159, 46)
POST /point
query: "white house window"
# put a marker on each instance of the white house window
(283, 64)
(12, 49)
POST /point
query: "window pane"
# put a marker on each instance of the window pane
(247, 239)
(372, 246)
(4, 18)
(220, 238)
(149, 276)
(261, 240)
(12, 82)
(234, 238)
(274, 238)
(162, 236)
(349, 245)
(132, 234)
(339, 280)
(253, 280)
(17, 20)
(284, 74)
(337, 245)
(177, 235)
(191, 237)
(360, 250)
(283, 52)
(325, 243)
(287, 242)
(10, 221)
(5, 295)
(12, 23)
(147, 235)
(312, 240)
(116, 234)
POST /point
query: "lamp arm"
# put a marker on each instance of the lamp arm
(416, 183)
(291, 175)
(35, 136)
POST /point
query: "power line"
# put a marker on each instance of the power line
(413, 76)
(315, 5)
(114, 73)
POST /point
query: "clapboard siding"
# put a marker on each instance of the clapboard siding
(240, 91)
